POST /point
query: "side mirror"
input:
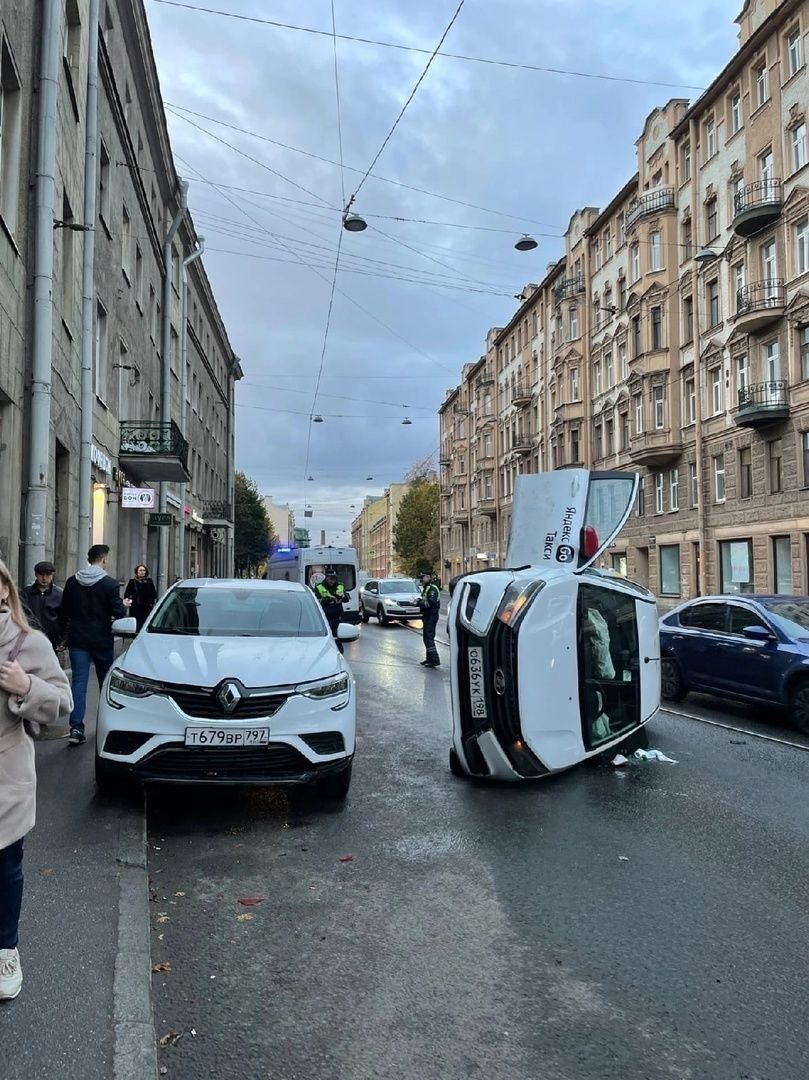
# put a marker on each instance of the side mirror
(345, 632)
(126, 627)
(758, 633)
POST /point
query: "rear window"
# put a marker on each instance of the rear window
(792, 616)
(705, 617)
(346, 574)
(608, 501)
(218, 612)
(403, 585)
(609, 664)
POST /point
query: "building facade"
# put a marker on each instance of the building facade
(282, 520)
(116, 376)
(372, 532)
(672, 338)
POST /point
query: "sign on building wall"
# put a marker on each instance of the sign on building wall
(133, 498)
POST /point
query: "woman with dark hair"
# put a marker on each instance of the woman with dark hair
(143, 594)
(33, 690)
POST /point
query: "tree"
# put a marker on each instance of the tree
(253, 530)
(415, 534)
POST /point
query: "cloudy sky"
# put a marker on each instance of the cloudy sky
(413, 300)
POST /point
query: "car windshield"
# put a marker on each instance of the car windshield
(221, 612)
(791, 615)
(403, 585)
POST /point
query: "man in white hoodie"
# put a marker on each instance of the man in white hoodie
(90, 601)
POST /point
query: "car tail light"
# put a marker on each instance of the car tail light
(589, 542)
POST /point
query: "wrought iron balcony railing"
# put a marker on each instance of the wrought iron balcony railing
(761, 296)
(568, 287)
(153, 437)
(766, 395)
(214, 510)
(651, 202)
(761, 193)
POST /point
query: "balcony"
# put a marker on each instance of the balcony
(154, 453)
(215, 515)
(655, 448)
(445, 462)
(523, 442)
(760, 304)
(521, 395)
(657, 201)
(651, 363)
(487, 506)
(569, 410)
(756, 206)
(762, 403)
(484, 418)
(460, 515)
(568, 287)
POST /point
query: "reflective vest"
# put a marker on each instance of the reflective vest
(324, 593)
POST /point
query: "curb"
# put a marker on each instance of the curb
(134, 1055)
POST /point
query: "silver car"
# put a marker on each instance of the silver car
(389, 599)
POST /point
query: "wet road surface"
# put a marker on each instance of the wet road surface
(615, 925)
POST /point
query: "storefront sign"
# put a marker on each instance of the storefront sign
(100, 459)
(133, 498)
(160, 519)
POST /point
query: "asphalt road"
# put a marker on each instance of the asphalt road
(639, 924)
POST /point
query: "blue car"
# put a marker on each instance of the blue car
(753, 649)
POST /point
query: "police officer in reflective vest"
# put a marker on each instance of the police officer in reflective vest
(332, 596)
(430, 605)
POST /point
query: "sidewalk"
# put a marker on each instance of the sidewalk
(78, 862)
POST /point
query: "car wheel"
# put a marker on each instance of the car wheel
(381, 616)
(336, 786)
(799, 706)
(364, 614)
(455, 766)
(672, 687)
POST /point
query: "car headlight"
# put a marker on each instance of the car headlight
(132, 685)
(325, 688)
(515, 602)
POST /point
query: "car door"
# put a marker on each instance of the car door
(698, 644)
(754, 664)
(370, 593)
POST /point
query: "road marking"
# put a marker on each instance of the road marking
(414, 630)
(739, 730)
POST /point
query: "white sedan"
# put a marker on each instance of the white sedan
(230, 682)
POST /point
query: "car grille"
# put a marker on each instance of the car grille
(325, 742)
(204, 705)
(275, 762)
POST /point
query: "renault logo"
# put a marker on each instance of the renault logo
(499, 682)
(229, 696)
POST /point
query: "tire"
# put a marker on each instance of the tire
(455, 766)
(799, 705)
(672, 687)
(381, 616)
(335, 787)
(364, 614)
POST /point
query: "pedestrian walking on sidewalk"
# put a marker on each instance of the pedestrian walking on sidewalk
(41, 601)
(143, 594)
(430, 605)
(90, 602)
(33, 690)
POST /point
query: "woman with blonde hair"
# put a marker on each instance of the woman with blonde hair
(33, 690)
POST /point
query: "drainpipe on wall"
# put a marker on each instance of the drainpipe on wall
(88, 283)
(236, 373)
(696, 219)
(165, 384)
(184, 380)
(39, 446)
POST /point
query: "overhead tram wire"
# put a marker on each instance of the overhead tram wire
(337, 97)
(416, 49)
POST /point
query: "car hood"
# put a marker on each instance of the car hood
(406, 596)
(254, 661)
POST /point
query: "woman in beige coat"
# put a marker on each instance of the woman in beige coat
(33, 690)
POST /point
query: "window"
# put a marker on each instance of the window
(623, 361)
(674, 489)
(575, 452)
(103, 183)
(735, 112)
(139, 277)
(762, 79)
(775, 460)
(174, 353)
(772, 363)
(71, 50)
(766, 173)
(805, 457)
(782, 565)
(769, 262)
(658, 408)
(638, 399)
(657, 328)
(738, 281)
(597, 254)
(622, 294)
(608, 243)
(10, 138)
(710, 137)
(745, 473)
(574, 384)
(634, 256)
(688, 319)
(802, 247)
(705, 617)
(656, 247)
(610, 368)
(641, 503)
(619, 564)
(686, 240)
(100, 353)
(799, 146)
(719, 478)
(742, 374)
(794, 51)
(715, 382)
(803, 348)
(154, 315)
(690, 401)
(736, 190)
(68, 268)
(712, 219)
(573, 323)
(625, 435)
(597, 376)
(597, 441)
(693, 484)
(670, 570)
(659, 487)
(712, 290)
(685, 162)
(736, 566)
(126, 244)
(637, 343)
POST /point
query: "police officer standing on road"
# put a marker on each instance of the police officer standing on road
(332, 595)
(430, 604)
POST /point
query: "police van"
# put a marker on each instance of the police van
(308, 566)
(552, 660)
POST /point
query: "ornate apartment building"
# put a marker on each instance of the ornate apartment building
(671, 338)
(116, 372)
(372, 531)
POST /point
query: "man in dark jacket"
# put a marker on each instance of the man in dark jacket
(42, 600)
(90, 601)
(430, 605)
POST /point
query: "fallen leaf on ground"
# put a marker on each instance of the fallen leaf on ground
(346, 858)
(251, 901)
(179, 894)
(47, 870)
(244, 918)
(163, 965)
(623, 858)
(162, 917)
(170, 1038)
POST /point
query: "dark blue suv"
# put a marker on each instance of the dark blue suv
(746, 648)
